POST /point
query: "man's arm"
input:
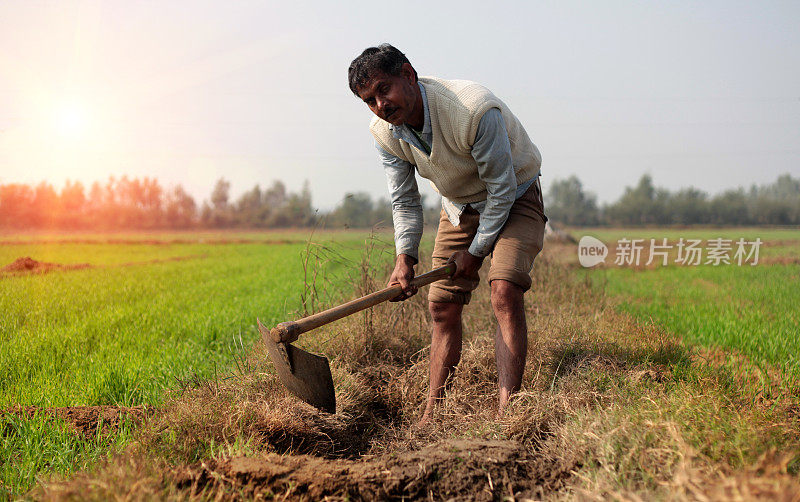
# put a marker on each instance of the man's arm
(406, 216)
(492, 152)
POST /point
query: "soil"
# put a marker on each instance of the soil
(163, 260)
(27, 265)
(778, 260)
(84, 420)
(453, 469)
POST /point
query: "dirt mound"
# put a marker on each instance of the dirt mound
(85, 420)
(27, 264)
(461, 469)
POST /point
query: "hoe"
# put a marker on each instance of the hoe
(307, 375)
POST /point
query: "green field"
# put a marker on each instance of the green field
(151, 311)
(751, 309)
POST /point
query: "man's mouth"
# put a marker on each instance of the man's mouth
(389, 113)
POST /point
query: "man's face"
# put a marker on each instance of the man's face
(392, 98)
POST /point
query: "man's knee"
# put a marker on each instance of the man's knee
(507, 297)
(445, 313)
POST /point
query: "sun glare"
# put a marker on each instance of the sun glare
(71, 120)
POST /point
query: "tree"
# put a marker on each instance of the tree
(46, 206)
(729, 208)
(206, 215)
(687, 206)
(221, 212)
(73, 205)
(251, 210)
(275, 201)
(151, 200)
(354, 212)
(220, 194)
(181, 209)
(16, 204)
(641, 205)
(777, 203)
(567, 203)
(275, 196)
(299, 211)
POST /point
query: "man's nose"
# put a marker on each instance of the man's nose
(381, 104)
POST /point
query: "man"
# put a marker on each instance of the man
(477, 155)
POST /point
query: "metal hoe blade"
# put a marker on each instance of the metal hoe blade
(306, 375)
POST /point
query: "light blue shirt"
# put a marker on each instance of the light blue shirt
(492, 153)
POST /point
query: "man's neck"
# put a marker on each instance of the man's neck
(417, 119)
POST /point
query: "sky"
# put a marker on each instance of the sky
(703, 94)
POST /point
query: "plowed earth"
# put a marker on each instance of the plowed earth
(28, 265)
(462, 469)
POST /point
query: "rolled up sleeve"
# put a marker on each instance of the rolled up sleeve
(406, 203)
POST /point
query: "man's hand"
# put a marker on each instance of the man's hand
(467, 265)
(402, 275)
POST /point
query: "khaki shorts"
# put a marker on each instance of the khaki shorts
(518, 244)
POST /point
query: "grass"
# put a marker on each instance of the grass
(749, 309)
(611, 408)
(148, 316)
(120, 335)
(42, 443)
(752, 309)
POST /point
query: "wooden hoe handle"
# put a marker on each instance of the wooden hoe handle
(290, 331)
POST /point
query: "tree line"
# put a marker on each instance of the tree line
(144, 204)
(776, 203)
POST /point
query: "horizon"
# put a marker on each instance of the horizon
(428, 201)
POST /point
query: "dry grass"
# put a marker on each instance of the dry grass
(609, 409)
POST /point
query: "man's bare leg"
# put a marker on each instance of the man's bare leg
(445, 350)
(511, 338)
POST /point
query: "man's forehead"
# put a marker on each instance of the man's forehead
(374, 80)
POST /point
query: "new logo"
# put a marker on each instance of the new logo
(591, 251)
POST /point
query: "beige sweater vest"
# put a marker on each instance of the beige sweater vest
(456, 108)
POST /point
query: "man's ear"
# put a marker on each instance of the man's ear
(408, 71)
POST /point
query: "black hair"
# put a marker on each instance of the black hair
(384, 58)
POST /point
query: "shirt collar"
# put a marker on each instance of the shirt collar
(397, 131)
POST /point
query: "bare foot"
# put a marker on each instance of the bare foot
(503, 402)
(421, 427)
(425, 421)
